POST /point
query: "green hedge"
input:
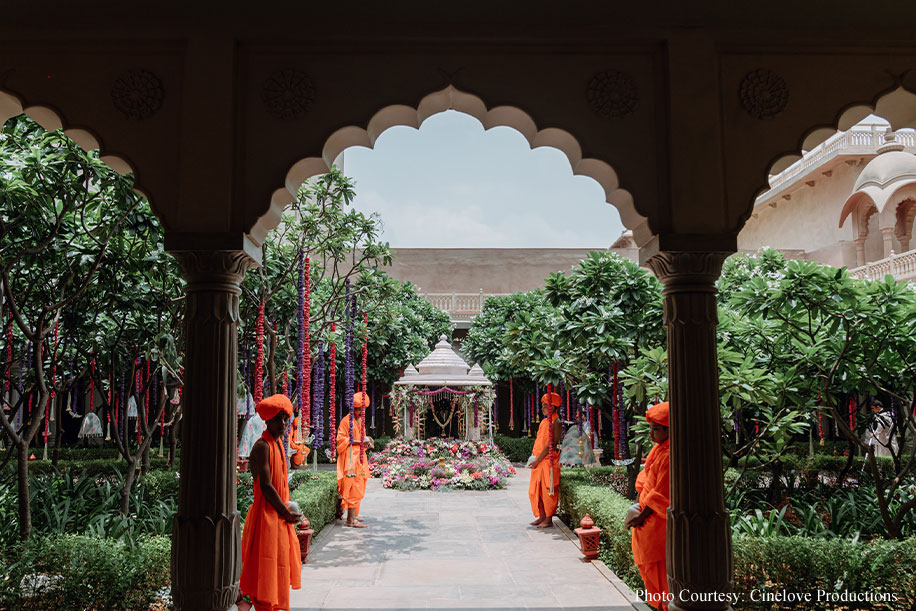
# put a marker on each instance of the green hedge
(317, 498)
(771, 564)
(92, 467)
(805, 564)
(160, 484)
(76, 573)
(516, 449)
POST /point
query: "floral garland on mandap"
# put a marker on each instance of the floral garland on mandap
(441, 464)
(418, 399)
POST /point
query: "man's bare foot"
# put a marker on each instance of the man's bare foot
(536, 522)
(355, 524)
(548, 522)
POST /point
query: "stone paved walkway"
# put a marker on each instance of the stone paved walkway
(451, 550)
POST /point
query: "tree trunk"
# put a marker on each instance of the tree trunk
(633, 473)
(842, 476)
(144, 464)
(129, 477)
(271, 365)
(776, 483)
(22, 473)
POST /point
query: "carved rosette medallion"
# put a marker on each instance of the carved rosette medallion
(611, 94)
(763, 94)
(288, 94)
(137, 94)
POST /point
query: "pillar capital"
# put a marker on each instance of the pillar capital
(214, 270)
(682, 271)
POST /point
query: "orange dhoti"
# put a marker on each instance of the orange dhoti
(544, 489)
(352, 465)
(270, 549)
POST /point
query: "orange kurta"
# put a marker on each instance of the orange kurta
(270, 549)
(649, 539)
(539, 486)
(352, 467)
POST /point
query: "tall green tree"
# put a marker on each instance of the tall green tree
(62, 214)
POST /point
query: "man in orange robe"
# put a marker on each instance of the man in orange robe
(544, 487)
(649, 525)
(352, 464)
(301, 450)
(270, 549)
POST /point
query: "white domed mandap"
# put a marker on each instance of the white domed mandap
(443, 396)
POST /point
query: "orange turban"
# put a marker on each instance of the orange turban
(273, 405)
(658, 413)
(551, 398)
(360, 399)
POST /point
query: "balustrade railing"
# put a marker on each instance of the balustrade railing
(865, 138)
(901, 267)
(459, 306)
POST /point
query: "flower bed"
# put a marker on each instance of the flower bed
(441, 464)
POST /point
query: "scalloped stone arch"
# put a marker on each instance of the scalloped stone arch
(451, 98)
(50, 119)
(898, 107)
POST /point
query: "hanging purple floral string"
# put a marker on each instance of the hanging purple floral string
(318, 396)
(624, 433)
(476, 398)
(349, 310)
(123, 404)
(372, 401)
(537, 399)
(301, 286)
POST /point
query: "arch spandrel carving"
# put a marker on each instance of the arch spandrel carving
(829, 89)
(85, 86)
(543, 97)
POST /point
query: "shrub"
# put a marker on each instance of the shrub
(516, 449)
(72, 572)
(160, 484)
(94, 467)
(804, 564)
(318, 498)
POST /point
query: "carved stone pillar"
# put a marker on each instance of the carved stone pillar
(887, 234)
(699, 550)
(206, 537)
(860, 251)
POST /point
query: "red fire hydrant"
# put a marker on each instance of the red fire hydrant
(589, 537)
(304, 533)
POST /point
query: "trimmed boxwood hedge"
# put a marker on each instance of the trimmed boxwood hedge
(317, 498)
(516, 449)
(762, 564)
(92, 467)
(75, 573)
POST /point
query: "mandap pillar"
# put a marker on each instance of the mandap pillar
(206, 537)
(698, 547)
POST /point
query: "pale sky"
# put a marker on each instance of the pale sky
(451, 184)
